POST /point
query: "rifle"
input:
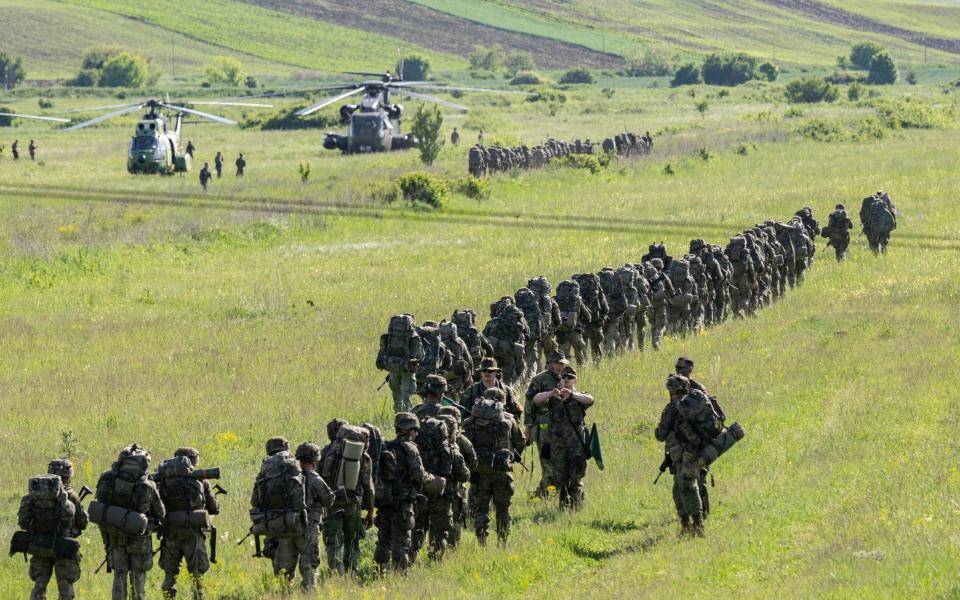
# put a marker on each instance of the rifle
(213, 544)
(256, 543)
(218, 489)
(103, 563)
(385, 380)
(667, 462)
(84, 492)
(520, 458)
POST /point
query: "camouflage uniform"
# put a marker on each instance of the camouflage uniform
(660, 292)
(451, 415)
(185, 544)
(550, 312)
(596, 303)
(403, 472)
(837, 231)
(476, 391)
(684, 465)
(127, 554)
(479, 347)
(537, 418)
(401, 364)
(568, 457)
(498, 443)
(628, 278)
(680, 306)
(507, 332)
(460, 372)
(343, 527)
(617, 304)
(67, 569)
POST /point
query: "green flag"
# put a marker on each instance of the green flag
(595, 448)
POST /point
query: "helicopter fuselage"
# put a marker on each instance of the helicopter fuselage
(373, 126)
(154, 149)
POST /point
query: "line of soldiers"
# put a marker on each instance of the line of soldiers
(488, 161)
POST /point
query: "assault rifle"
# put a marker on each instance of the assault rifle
(666, 464)
(218, 490)
(385, 381)
(258, 553)
(520, 459)
(213, 544)
(84, 492)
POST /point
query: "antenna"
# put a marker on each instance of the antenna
(400, 63)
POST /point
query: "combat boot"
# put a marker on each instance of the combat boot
(482, 537)
(697, 526)
(685, 526)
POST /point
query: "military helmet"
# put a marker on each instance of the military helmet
(557, 356)
(452, 411)
(489, 364)
(840, 207)
(406, 420)
(334, 426)
(192, 453)
(450, 421)
(277, 444)
(677, 383)
(308, 452)
(435, 384)
(60, 466)
(696, 245)
(657, 263)
(495, 394)
(429, 324)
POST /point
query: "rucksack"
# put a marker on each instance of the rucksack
(349, 448)
(279, 485)
(392, 472)
(489, 432)
(400, 345)
(529, 302)
(610, 284)
(628, 282)
(434, 447)
(374, 447)
(434, 352)
(178, 490)
(50, 509)
(569, 301)
(699, 422)
(128, 474)
(679, 272)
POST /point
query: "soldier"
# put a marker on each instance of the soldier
(218, 164)
(241, 165)
(182, 494)
(434, 389)
(68, 519)
(344, 525)
(628, 282)
(33, 150)
(596, 303)
(812, 229)
(878, 218)
(402, 476)
(574, 320)
(460, 372)
(723, 276)
(279, 493)
(529, 302)
(702, 304)
(498, 441)
(489, 379)
(507, 332)
(455, 138)
(401, 352)
(476, 161)
(550, 312)
(837, 231)
(205, 176)
(686, 494)
(661, 290)
(568, 436)
(126, 485)
(744, 275)
(537, 418)
(15, 148)
(436, 358)
(480, 138)
(479, 347)
(451, 416)
(617, 305)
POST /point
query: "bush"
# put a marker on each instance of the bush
(426, 126)
(729, 69)
(472, 187)
(911, 77)
(224, 70)
(911, 114)
(845, 78)
(528, 78)
(592, 162)
(11, 70)
(124, 70)
(515, 62)
(688, 74)
(423, 188)
(854, 92)
(415, 67)
(861, 54)
(548, 96)
(250, 82)
(769, 71)
(94, 58)
(5, 120)
(883, 71)
(810, 89)
(85, 78)
(578, 75)
(287, 119)
(486, 59)
(651, 64)
(43, 103)
(702, 108)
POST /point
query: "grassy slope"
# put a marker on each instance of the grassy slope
(687, 27)
(198, 316)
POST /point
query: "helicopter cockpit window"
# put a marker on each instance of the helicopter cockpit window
(367, 125)
(144, 143)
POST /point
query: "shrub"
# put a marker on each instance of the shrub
(124, 70)
(423, 188)
(862, 54)
(883, 71)
(910, 114)
(11, 70)
(769, 71)
(810, 89)
(688, 74)
(705, 154)
(44, 103)
(729, 69)
(5, 120)
(515, 62)
(578, 75)
(911, 77)
(528, 78)
(486, 59)
(304, 172)
(85, 78)
(415, 67)
(844, 78)
(472, 187)
(668, 170)
(224, 70)
(287, 119)
(651, 64)
(426, 126)
(793, 112)
(250, 82)
(855, 91)
(702, 108)
(591, 162)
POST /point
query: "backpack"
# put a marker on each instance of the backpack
(699, 422)
(610, 284)
(628, 282)
(738, 254)
(541, 287)
(50, 510)
(279, 485)
(529, 302)
(400, 345)
(569, 301)
(178, 490)
(127, 475)
(435, 354)
(392, 472)
(348, 449)
(434, 447)
(489, 432)
(374, 447)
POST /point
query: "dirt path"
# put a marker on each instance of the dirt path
(437, 31)
(831, 14)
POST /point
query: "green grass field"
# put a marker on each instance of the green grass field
(137, 309)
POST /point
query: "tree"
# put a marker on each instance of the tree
(94, 58)
(224, 70)
(488, 59)
(519, 61)
(426, 128)
(578, 75)
(415, 67)
(883, 71)
(651, 64)
(769, 71)
(862, 54)
(811, 89)
(729, 69)
(11, 71)
(124, 70)
(688, 74)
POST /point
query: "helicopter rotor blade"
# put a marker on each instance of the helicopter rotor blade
(116, 113)
(404, 92)
(327, 102)
(217, 103)
(198, 113)
(94, 108)
(38, 117)
(443, 88)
